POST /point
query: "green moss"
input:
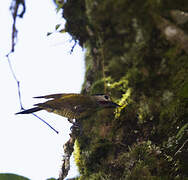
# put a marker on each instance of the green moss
(184, 90)
(98, 155)
(123, 103)
(116, 68)
(182, 131)
(77, 156)
(97, 87)
(95, 176)
(129, 59)
(76, 20)
(143, 112)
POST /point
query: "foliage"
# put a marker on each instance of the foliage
(8, 176)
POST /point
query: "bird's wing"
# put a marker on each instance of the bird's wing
(60, 105)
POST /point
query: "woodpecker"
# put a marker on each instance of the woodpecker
(72, 106)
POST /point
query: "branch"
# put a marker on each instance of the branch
(72, 49)
(15, 78)
(19, 92)
(14, 9)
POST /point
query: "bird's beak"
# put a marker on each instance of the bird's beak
(114, 104)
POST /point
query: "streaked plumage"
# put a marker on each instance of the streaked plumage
(73, 106)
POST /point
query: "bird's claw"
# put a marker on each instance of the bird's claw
(75, 128)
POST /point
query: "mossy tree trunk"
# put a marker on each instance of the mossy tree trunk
(137, 52)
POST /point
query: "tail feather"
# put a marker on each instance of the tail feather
(54, 96)
(28, 111)
(57, 96)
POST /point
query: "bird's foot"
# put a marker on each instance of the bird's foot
(75, 125)
(76, 128)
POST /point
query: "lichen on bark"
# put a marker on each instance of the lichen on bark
(131, 57)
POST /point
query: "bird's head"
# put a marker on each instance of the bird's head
(105, 101)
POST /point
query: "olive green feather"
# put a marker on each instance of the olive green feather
(71, 105)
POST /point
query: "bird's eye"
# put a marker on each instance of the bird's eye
(106, 97)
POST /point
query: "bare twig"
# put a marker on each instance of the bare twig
(45, 123)
(14, 9)
(68, 150)
(19, 92)
(72, 49)
(179, 150)
(15, 78)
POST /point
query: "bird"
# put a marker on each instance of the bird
(71, 105)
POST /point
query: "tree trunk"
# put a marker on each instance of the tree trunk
(137, 52)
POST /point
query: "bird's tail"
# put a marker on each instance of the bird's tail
(28, 111)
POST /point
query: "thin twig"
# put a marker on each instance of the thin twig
(179, 150)
(19, 92)
(45, 122)
(18, 82)
(14, 9)
(72, 49)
